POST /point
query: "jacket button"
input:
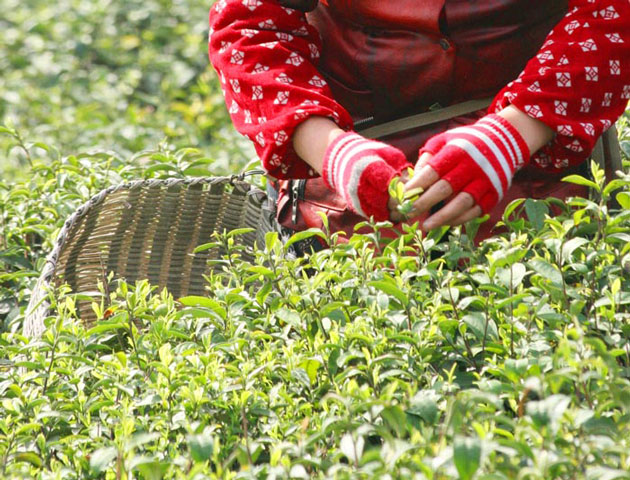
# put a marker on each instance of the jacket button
(445, 44)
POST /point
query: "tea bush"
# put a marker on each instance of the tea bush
(423, 357)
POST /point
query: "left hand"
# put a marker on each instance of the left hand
(460, 209)
(470, 167)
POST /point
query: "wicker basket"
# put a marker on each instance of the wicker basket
(148, 229)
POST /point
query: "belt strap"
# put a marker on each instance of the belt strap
(424, 119)
(607, 152)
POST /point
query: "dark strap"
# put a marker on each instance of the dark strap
(302, 5)
(607, 152)
(424, 119)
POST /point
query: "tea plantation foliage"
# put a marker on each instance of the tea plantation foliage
(421, 358)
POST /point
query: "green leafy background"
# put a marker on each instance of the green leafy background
(114, 76)
(423, 358)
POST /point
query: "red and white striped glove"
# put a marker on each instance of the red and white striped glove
(360, 170)
(479, 159)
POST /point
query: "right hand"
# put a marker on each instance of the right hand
(360, 170)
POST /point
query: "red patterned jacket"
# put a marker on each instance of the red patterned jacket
(566, 63)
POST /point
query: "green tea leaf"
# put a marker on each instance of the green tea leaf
(547, 271)
(424, 406)
(413, 194)
(303, 235)
(570, 246)
(29, 457)
(536, 211)
(239, 231)
(467, 456)
(206, 302)
(624, 199)
(351, 448)
(201, 447)
(549, 410)
(388, 287)
(580, 180)
(101, 458)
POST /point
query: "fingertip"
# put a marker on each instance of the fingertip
(423, 177)
(469, 215)
(422, 160)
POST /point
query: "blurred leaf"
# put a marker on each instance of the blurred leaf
(547, 271)
(536, 211)
(467, 456)
(153, 470)
(101, 458)
(388, 287)
(549, 410)
(201, 447)
(351, 448)
(29, 457)
(424, 405)
(624, 199)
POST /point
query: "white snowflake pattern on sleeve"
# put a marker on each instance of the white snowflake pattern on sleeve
(579, 83)
(267, 53)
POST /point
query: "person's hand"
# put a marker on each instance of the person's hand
(360, 170)
(470, 167)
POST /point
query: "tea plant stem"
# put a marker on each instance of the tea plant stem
(119, 467)
(130, 319)
(315, 314)
(520, 410)
(586, 395)
(421, 246)
(331, 377)
(600, 232)
(466, 342)
(5, 457)
(485, 330)
(559, 263)
(246, 435)
(22, 146)
(277, 277)
(591, 300)
(106, 291)
(296, 281)
(52, 361)
(459, 352)
(512, 310)
(4, 228)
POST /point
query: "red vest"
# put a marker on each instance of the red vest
(392, 58)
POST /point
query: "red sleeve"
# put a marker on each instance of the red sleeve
(265, 56)
(579, 83)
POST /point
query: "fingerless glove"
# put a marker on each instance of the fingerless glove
(360, 170)
(479, 159)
